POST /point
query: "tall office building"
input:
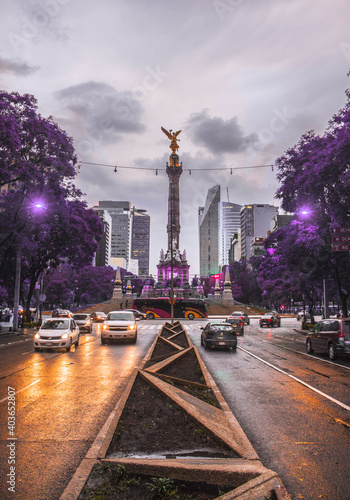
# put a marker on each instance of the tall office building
(208, 222)
(255, 222)
(120, 212)
(103, 254)
(140, 239)
(229, 224)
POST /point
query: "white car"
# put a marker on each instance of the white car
(84, 321)
(57, 332)
(119, 325)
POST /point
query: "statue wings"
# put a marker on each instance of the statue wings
(170, 134)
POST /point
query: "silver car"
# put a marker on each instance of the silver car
(57, 332)
(84, 321)
(119, 325)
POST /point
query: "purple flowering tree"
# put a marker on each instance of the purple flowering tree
(43, 219)
(315, 183)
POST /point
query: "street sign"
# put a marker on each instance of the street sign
(340, 230)
(341, 239)
(341, 248)
(345, 238)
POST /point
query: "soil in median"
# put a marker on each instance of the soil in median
(152, 425)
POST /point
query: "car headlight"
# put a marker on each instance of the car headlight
(64, 336)
(37, 335)
(104, 327)
(87, 322)
(131, 327)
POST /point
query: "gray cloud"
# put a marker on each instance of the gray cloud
(16, 66)
(105, 112)
(218, 135)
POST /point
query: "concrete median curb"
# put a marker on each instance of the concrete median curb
(245, 474)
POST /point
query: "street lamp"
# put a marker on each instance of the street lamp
(36, 205)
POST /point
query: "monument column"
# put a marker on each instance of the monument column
(174, 172)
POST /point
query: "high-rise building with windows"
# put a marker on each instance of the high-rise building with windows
(229, 224)
(255, 222)
(140, 240)
(130, 235)
(103, 254)
(120, 212)
(208, 222)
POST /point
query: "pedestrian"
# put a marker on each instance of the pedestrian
(121, 306)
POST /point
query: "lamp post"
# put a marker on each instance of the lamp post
(37, 205)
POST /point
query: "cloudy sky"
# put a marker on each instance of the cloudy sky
(242, 79)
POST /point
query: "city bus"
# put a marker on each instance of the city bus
(160, 307)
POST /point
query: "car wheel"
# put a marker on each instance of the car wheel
(331, 352)
(234, 349)
(103, 341)
(206, 347)
(150, 316)
(77, 342)
(202, 343)
(133, 341)
(70, 345)
(37, 349)
(190, 316)
(309, 348)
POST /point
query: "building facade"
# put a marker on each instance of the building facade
(229, 224)
(103, 254)
(140, 240)
(120, 212)
(255, 222)
(208, 223)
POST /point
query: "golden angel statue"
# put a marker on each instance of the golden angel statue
(173, 137)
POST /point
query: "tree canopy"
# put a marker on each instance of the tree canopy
(315, 185)
(42, 213)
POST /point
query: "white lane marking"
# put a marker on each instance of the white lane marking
(24, 388)
(308, 355)
(339, 403)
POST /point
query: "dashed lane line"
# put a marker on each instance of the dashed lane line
(339, 403)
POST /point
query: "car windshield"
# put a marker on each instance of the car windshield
(237, 313)
(218, 328)
(100, 314)
(80, 316)
(55, 324)
(235, 321)
(121, 316)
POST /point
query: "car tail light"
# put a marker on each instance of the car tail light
(340, 335)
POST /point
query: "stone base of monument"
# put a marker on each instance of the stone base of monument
(172, 433)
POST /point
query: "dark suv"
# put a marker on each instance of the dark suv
(270, 319)
(219, 335)
(237, 324)
(331, 336)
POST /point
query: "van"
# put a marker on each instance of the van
(330, 336)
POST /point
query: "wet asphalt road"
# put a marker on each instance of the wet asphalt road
(301, 434)
(63, 399)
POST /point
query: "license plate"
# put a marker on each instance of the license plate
(221, 343)
(49, 343)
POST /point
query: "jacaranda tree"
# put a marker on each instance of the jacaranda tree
(43, 218)
(315, 184)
